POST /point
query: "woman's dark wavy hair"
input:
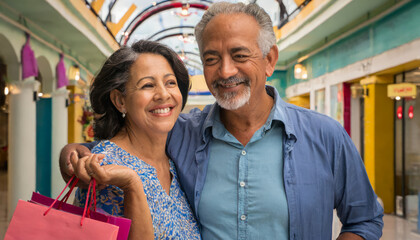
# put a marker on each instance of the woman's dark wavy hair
(115, 74)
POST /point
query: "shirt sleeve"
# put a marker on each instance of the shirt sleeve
(90, 145)
(355, 201)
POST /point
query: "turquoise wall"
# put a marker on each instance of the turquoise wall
(278, 80)
(396, 29)
(43, 145)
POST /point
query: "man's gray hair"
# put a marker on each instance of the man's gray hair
(266, 38)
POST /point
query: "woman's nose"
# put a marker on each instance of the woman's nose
(162, 92)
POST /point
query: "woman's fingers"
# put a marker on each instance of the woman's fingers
(117, 175)
(79, 168)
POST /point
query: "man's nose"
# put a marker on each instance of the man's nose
(227, 68)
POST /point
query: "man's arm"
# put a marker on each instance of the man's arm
(355, 201)
(69, 158)
(349, 236)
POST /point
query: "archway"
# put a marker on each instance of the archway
(46, 75)
(9, 70)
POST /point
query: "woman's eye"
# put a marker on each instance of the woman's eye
(171, 83)
(147, 85)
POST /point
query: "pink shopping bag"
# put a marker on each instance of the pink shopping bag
(35, 220)
(123, 223)
(29, 222)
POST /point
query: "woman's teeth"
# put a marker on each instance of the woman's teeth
(161, 110)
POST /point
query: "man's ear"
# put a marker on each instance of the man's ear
(118, 100)
(271, 58)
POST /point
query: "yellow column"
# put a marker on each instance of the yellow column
(75, 113)
(379, 138)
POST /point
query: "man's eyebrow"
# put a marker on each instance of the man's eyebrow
(210, 52)
(239, 49)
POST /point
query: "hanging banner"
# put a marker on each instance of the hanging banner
(60, 72)
(29, 64)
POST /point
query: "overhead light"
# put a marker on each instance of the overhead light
(300, 71)
(6, 90)
(77, 77)
(40, 94)
(184, 10)
(397, 98)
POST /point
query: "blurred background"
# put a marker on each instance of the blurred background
(357, 61)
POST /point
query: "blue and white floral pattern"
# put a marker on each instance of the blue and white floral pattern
(171, 214)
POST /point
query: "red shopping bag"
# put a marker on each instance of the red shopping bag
(34, 221)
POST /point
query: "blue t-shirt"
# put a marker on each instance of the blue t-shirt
(171, 214)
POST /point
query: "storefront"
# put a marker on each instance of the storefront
(405, 91)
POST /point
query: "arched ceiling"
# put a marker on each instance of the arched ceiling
(169, 22)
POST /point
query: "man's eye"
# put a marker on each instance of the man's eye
(240, 57)
(210, 61)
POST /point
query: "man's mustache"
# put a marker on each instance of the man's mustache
(231, 80)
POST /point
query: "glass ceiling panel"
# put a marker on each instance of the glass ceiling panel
(174, 29)
(166, 22)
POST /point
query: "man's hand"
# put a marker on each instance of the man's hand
(75, 151)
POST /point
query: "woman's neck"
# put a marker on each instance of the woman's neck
(150, 148)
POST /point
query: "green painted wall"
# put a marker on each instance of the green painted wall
(396, 29)
(278, 80)
(43, 145)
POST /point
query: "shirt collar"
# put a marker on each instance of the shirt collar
(278, 113)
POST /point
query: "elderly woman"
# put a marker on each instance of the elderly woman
(138, 95)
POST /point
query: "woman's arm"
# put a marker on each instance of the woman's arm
(135, 201)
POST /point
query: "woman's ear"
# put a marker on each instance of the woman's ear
(117, 99)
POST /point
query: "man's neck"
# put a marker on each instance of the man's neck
(245, 121)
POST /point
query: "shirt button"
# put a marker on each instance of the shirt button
(243, 217)
(243, 152)
(242, 184)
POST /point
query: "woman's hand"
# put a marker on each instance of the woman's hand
(120, 176)
(135, 201)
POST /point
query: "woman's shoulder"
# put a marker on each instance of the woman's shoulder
(113, 153)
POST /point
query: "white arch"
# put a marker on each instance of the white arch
(45, 70)
(10, 58)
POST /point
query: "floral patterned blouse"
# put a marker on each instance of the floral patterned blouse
(171, 214)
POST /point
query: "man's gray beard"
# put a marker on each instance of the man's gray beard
(230, 100)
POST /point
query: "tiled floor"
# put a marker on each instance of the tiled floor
(395, 228)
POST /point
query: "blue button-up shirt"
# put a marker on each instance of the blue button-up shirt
(244, 184)
(322, 170)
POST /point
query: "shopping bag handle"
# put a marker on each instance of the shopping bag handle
(66, 197)
(88, 205)
(68, 183)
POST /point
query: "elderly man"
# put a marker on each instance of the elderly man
(253, 166)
